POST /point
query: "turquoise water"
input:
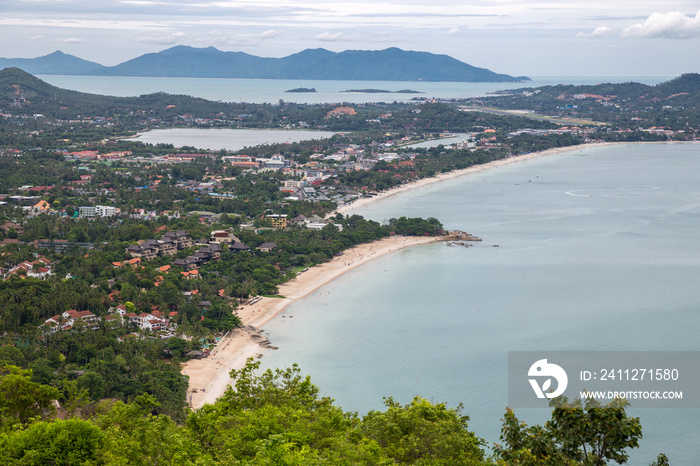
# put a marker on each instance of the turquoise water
(595, 252)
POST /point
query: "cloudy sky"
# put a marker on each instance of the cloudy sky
(518, 37)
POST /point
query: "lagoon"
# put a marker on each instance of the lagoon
(597, 250)
(227, 139)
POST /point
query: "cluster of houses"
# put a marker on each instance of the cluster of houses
(212, 252)
(172, 242)
(169, 244)
(39, 268)
(73, 319)
(70, 320)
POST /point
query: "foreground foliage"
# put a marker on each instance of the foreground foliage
(585, 433)
(278, 417)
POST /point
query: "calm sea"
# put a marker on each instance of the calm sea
(597, 250)
(273, 90)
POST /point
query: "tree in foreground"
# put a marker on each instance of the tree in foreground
(21, 400)
(279, 417)
(579, 433)
(421, 432)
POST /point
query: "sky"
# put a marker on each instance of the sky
(516, 37)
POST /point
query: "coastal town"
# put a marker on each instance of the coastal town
(158, 218)
(130, 268)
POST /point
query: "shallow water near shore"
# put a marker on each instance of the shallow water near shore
(597, 250)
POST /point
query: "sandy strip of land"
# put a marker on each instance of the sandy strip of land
(212, 373)
(359, 203)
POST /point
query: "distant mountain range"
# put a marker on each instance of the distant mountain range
(391, 64)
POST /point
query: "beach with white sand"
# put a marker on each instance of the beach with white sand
(209, 377)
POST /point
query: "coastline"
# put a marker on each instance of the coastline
(465, 171)
(212, 373)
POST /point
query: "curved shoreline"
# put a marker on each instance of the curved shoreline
(485, 166)
(212, 373)
(463, 172)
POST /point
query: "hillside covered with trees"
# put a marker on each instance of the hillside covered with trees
(280, 418)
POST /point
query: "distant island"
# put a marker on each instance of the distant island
(382, 91)
(392, 64)
(302, 90)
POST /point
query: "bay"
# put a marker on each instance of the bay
(595, 253)
(597, 250)
(227, 139)
(273, 90)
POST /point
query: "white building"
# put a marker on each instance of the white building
(97, 211)
(106, 211)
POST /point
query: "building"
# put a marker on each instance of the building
(69, 320)
(278, 221)
(241, 161)
(168, 245)
(106, 211)
(267, 247)
(292, 184)
(276, 162)
(223, 236)
(59, 245)
(97, 211)
(87, 212)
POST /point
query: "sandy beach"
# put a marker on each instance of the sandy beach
(210, 376)
(212, 373)
(359, 203)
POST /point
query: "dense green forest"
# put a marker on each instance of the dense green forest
(280, 418)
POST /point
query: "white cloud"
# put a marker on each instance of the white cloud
(598, 33)
(452, 31)
(269, 34)
(329, 37)
(73, 40)
(161, 39)
(673, 25)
